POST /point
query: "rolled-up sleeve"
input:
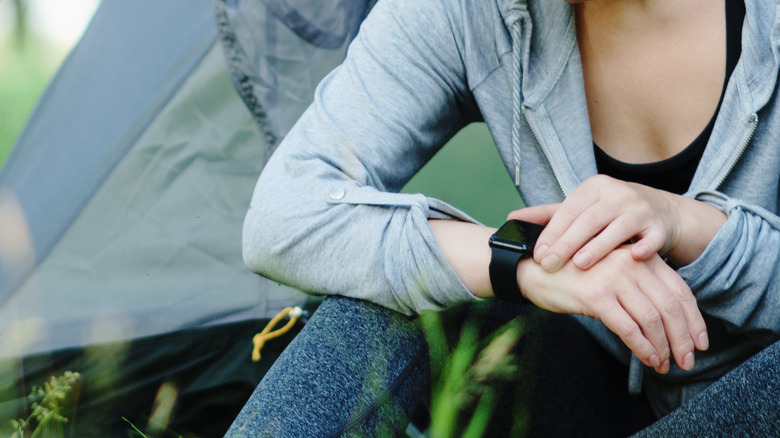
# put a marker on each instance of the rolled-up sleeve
(737, 277)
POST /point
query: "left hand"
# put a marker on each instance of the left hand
(599, 216)
(646, 303)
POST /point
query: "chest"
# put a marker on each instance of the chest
(650, 94)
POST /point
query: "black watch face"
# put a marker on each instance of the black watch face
(516, 236)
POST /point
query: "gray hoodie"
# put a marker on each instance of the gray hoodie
(326, 216)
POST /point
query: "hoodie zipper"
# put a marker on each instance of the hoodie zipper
(753, 121)
(537, 137)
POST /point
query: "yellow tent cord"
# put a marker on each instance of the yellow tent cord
(294, 313)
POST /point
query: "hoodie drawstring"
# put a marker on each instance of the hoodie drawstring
(516, 31)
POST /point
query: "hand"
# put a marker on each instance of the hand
(602, 214)
(645, 303)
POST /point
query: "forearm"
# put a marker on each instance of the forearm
(465, 246)
(736, 278)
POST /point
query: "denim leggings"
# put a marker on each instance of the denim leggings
(357, 369)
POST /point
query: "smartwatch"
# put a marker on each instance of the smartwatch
(512, 242)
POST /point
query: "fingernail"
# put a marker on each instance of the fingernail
(688, 361)
(663, 368)
(550, 262)
(704, 341)
(582, 259)
(654, 361)
(540, 252)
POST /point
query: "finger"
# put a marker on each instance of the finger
(651, 243)
(614, 235)
(650, 319)
(619, 322)
(650, 322)
(560, 221)
(697, 327)
(587, 226)
(539, 214)
(619, 231)
(675, 322)
(582, 199)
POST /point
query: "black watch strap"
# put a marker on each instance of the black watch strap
(503, 275)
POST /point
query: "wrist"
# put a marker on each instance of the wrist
(465, 247)
(698, 223)
(512, 243)
(525, 271)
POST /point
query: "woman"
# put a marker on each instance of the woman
(642, 132)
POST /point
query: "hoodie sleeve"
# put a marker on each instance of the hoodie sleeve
(737, 277)
(325, 216)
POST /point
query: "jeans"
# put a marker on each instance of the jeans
(357, 369)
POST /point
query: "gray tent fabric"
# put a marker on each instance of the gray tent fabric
(122, 202)
(329, 25)
(157, 246)
(274, 73)
(105, 94)
(134, 175)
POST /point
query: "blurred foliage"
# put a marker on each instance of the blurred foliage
(49, 406)
(472, 377)
(20, 20)
(26, 66)
(25, 69)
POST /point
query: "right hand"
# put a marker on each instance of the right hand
(645, 302)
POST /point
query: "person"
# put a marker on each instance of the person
(642, 133)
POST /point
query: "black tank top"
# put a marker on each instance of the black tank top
(675, 174)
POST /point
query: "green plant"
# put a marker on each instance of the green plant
(135, 429)
(471, 377)
(48, 407)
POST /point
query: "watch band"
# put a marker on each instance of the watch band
(503, 275)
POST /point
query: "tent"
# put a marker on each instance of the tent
(121, 207)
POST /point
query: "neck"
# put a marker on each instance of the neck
(623, 18)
